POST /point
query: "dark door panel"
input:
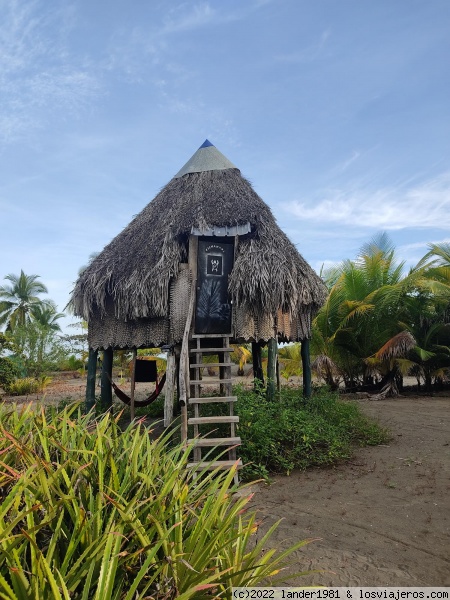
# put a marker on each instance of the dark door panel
(214, 264)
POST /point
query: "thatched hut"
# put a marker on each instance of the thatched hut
(206, 226)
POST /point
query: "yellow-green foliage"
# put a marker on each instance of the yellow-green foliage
(241, 355)
(290, 360)
(90, 511)
(28, 385)
(22, 387)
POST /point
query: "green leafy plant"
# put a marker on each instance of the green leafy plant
(290, 360)
(22, 387)
(241, 355)
(90, 511)
(8, 372)
(295, 432)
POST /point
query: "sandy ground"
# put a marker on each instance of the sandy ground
(381, 519)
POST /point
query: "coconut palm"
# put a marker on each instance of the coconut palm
(428, 315)
(18, 299)
(435, 271)
(47, 315)
(438, 255)
(360, 315)
(388, 361)
(427, 318)
(290, 360)
(241, 355)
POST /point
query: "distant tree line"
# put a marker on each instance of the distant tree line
(32, 343)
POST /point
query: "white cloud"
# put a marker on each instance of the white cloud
(389, 208)
(414, 252)
(345, 164)
(424, 245)
(309, 53)
(37, 72)
(186, 17)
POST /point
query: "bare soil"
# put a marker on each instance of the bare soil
(381, 519)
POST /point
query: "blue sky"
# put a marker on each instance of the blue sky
(337, 112)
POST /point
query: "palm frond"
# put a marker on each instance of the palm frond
(397, 347)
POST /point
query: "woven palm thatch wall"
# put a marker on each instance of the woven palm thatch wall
(132, 281)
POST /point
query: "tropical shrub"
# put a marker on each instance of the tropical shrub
(295, 432)
(241, 355)
(40, 348)
(90, 511)
(70, 363)
(22, 387)
(8, 372)
(290, 360)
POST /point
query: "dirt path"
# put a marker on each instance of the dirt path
(382, 519)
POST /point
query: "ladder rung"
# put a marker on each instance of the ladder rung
(213, 336)
(209, 399)
(208, 365)
(210, 381)
(218, 464)
(209, 350)
(206, 442)
(201, 420)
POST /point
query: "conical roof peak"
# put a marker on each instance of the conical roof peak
(207, 158)
(206, 144)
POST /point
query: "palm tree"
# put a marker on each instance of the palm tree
(290, 360)
(389, 358)
(378, 323)
(428, 315)
(439, 255)
(46, 315)
(361, 313)
(18, 300)
(435, 271)
(241, 355)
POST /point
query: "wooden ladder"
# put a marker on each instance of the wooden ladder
(221, 347)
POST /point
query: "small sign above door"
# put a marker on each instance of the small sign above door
(214, 265)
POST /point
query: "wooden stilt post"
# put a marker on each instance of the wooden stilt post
(271, 369)
(278, 376)
(177, 376)
(258, 374)
(306, 365)
(133, 384)
(90, 382)
(106, 387)
(170, 388)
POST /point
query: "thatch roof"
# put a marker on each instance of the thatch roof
(134, 271)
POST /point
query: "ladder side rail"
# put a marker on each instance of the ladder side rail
(184, 365)
(196, 388)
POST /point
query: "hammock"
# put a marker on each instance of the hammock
(127, 400)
